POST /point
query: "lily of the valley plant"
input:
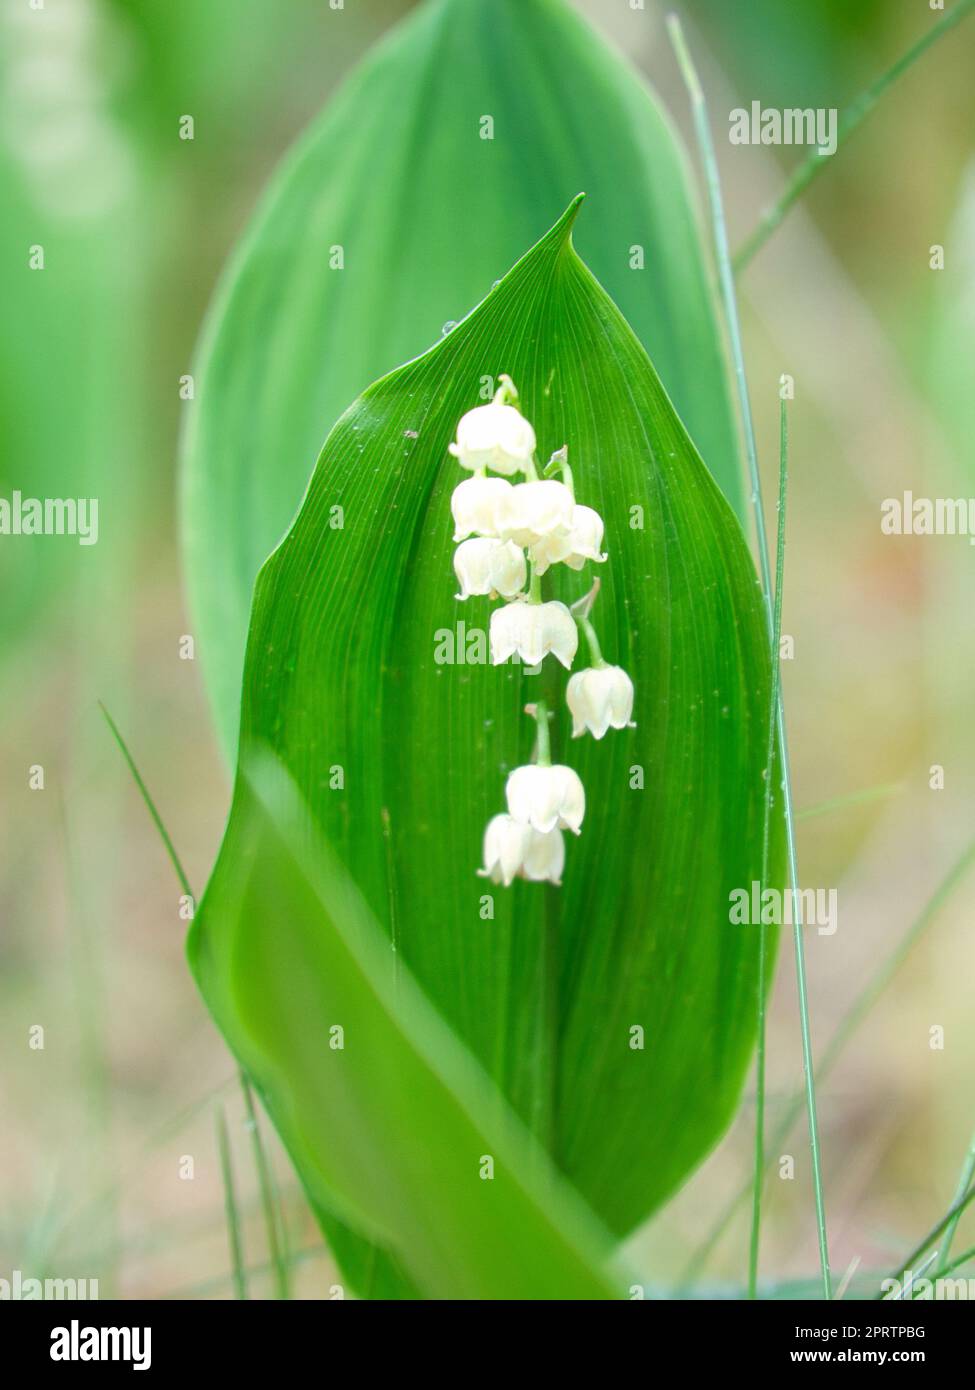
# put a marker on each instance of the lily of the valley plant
(510, 534)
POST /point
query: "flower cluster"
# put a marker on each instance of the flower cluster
(509, 534)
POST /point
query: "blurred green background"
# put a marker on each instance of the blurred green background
(135, 225)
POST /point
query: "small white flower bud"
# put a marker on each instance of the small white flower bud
(513, 850)
(600, 698)
(533, 630)
(532, 512)
(494, 436)
(546, 797)
(490, 567)
(474, 505)
(581, 544)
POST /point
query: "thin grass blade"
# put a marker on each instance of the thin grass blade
(814, 165)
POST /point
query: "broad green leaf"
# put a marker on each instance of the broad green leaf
(393, 217)
(391, 1128)
(342, 684)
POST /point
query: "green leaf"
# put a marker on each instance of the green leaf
(393, 1127)
(425, 215)
(341, 679)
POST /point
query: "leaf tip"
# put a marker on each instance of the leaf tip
(561, 233)
(572, 211)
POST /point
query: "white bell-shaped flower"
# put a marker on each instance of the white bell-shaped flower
(544, 858)
(474, 505)
(533, 512)
(490, 567)
(494, 436)
(533, 630)
(513, 850)
(505, 843)
(600, 698)
(546, 797)
(582, 542)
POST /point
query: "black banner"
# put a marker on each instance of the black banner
(172, 1338)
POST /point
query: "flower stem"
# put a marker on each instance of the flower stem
(543, 756)
(589, 632)
(559, 463)
(507, 394)
(534, 585)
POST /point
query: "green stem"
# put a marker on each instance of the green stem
(534, 584)
(964, 1183)
(589, 632)
(231, 1211)
(543, 756)
(507, 394)
(168, 845)
(559, 463)
(726, 278)
(842, 803)
(766, 839)
(951, 1216)
(959, 1261)
(854, 1017)
(545, 1100)
(265, 1184)
(854, 116)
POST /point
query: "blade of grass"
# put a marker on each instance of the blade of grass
(699, 108)
(263, 1170)
(860, 798)
(814, 164)
(265, 1181)
(763, 933)
(950, 1215)
(851, 1021)
(959, 1260)
(230, 1206)
(149, 803)
(964, 1183)
(915, 1274)
(280, 1206)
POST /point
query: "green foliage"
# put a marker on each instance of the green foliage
(392, 1128)
(392, 218)
(340, 675)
